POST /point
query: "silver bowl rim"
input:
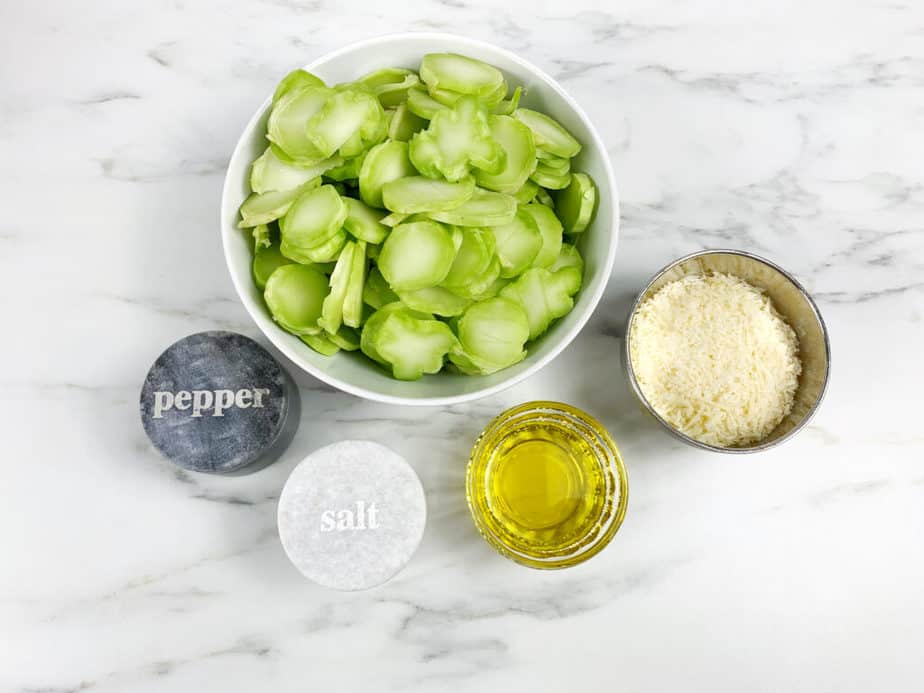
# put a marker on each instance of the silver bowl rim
(633, 383)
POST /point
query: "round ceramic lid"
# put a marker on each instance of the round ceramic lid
(219, 402)
(351, 515)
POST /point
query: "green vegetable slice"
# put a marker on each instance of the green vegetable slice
(375, 320)
(481, 286)
(551, 181)
(528, 291)
(420, 194)
(262, 237)
(527, 192)
(455, 232)
(269, 172)
(265, 262)
(282, 156)
(393, 219)
(445, 96)
(554, 167)
(390, 84)
(364, 222)
(346, 338)
(328, 251)
(449, 98)
(473, 256)
(302, 161)
(266, 255)
(551, 230)
(411, 345)
(493, 289)
(436, 300)
(460, 74)
(463, 363)
(371, 329)
(493, 100)
(414, 347)
(353, 147)
(404, 124)
(548, 134)
(385, 162)
(385, 77)
(286, 125)
(421, 104)
(396, 94)
(332, 309)
(294, 295)
(482, 208)
(313, 219)
(568, 257)
(570, 279)
(416, 255)
(516, 141)
(543, 197)
(321, 343)
(457, 138)
(376, 291)
(542, 154)
(389, 115)
(343, 113)
(543, 295)
(577, 203)
(353, 301)
(295, 80)
(349, 170)
(492, 333)
(262, 208)
(517, 243)
(508, 106)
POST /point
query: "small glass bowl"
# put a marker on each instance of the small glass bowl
(601, 484)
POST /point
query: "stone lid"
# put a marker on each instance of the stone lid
(351, 515)
(218, 402)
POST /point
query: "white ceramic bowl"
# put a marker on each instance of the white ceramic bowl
(353, 372)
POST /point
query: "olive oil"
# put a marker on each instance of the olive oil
(546, 485)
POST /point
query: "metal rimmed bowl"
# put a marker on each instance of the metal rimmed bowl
(789, 298)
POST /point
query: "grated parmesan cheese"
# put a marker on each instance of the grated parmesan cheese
(715, 360)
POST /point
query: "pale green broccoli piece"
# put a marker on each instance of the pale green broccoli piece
(295, 295)
(548, 133)
(384, 163)
(416, 255)
(577, 203)
(456, 140)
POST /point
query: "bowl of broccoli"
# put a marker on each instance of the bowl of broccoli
(420, 218)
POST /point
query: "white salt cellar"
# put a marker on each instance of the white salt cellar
(351, 515)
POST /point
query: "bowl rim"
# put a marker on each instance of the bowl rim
(633, 382)
(357, 390)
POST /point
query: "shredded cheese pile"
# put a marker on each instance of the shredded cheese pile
(715, 360)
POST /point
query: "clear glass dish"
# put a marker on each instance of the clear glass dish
(546, 485)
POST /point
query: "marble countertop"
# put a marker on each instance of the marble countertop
(794, 129)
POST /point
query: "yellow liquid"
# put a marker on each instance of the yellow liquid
(543, 487)
(538, 484)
